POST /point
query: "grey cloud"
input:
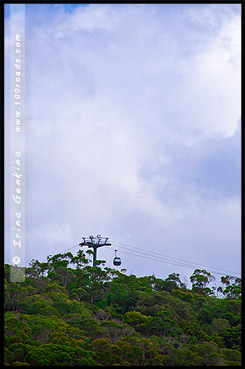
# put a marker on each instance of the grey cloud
(211, 168)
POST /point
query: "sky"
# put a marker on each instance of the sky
(133, 131)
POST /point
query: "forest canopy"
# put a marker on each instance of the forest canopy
(68, 313)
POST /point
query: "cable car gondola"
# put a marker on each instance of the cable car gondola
(116, 260)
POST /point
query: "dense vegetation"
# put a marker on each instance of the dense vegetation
(67, 313)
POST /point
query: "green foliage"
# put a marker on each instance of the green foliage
(67, 313)
(200, 279)
(134, 318)
(20, 363)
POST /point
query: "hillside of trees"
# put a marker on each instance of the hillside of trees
(68, 313)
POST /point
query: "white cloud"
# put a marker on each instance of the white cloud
(112, 92)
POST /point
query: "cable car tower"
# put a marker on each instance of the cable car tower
(95, 243)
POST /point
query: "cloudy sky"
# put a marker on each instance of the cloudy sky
(133, 132)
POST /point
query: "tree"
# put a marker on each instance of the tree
(90, 316)
(233, 287)
(16, 330)
(200, 279)
(175, 281)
